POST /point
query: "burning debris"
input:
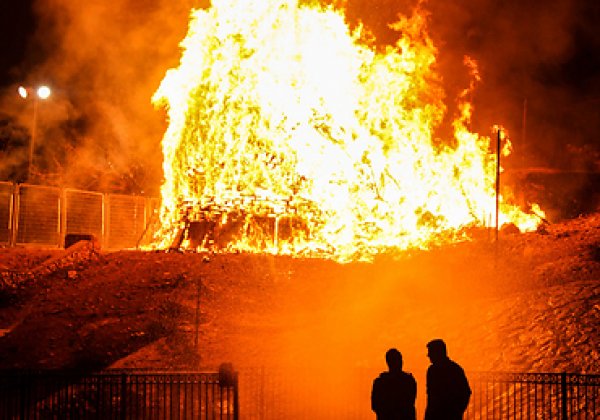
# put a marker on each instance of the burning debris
(213, 225)
(280, 111)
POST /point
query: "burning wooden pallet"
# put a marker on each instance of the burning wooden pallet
(213, 225)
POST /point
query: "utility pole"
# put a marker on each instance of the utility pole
(498, 181)
(32, 140)
(197, 318)
(43, 93)
(524, 132)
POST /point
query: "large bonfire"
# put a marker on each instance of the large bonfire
(290, 132)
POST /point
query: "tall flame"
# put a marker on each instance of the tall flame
(280, 112)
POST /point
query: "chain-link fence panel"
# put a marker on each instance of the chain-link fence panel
(39, 215)
(84, 213)
(6, 210)
(126, 217)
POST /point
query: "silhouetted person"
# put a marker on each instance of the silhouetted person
(448, 390)
(394, 392)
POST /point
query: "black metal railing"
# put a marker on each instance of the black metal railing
(139, 394)
(271, 395)
(118, 395)
(558, 396)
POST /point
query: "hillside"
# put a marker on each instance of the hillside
(529, 303)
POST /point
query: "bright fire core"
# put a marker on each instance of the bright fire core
(291, 133)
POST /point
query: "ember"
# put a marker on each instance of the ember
(281, 114)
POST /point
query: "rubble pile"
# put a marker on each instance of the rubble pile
(64, 261)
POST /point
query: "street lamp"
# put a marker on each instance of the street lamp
(42, 92)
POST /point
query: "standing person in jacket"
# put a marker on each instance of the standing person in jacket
(448, 390)
(395, 391)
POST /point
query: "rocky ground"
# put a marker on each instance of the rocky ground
(529, 303)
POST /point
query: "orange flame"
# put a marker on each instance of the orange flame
(291, 133)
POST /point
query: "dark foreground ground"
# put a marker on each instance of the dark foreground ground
(532, 304)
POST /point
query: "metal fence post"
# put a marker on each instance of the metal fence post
(105, 220)
(14, 215)
(498, 153)
(563, 396)
(123, 414)
(197, 318)
(62, 206)
(236, 394)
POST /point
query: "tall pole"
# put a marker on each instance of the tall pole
(498, 181)
(197, 320)
(32, 141)
(524, 132)
(42, 92)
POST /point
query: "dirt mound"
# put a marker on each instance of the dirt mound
(529, 303)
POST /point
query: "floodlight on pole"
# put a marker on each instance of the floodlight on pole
(23, 92)
(42, 92)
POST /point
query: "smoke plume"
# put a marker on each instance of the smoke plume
(539, 68)
(106, 59)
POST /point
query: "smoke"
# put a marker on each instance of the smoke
(106, 59)
(524, 51)
(540, 80)
(539, 69)
(103, 60)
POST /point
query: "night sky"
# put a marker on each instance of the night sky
(22, 51)
(17, 24)
(547, 57)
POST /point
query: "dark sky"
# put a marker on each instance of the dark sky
(545, 54)
(17, 23)
(20, 52)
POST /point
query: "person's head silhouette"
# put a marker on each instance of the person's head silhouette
(393, 359)
(436, 351)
